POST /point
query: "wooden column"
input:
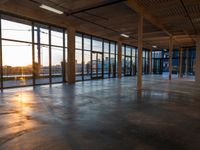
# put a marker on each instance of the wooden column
(140, 45)
(170, 56)
(197, 71)
(180, 75)
(119, 44)
(71, 55)
(150, 61)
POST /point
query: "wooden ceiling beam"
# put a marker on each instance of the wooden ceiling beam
(147, 15)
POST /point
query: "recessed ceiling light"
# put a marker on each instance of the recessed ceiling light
(154, 46)
(125, 35)
(51, 9)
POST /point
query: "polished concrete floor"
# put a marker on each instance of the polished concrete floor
(106, 114)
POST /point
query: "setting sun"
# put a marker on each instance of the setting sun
(16, 54)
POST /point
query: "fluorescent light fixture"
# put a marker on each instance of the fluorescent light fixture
(51, 9)
(125, 35)
(154, 46)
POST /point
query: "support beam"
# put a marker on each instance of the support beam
(180, 75)
(96, 6)
(140, 45)
(197, 71)
(119, 44)
(71, 55)
(170, 56)
(133, 4)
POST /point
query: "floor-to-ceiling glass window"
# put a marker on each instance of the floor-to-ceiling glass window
(16, 52)
(128, 60)
(191, 62)
(160, 60)
(145, 61)
(146, 70)
(165, 60)
(112, 59)
(32, 53)
(157, 61)
(65, 56)
(95, 57)
(57, 48)
(116, 59)
(134, 61)
(87, 56)
(175, 61)
(188, 65)
(42, 53)
(78, 57)
(123, 60)
(106, 58)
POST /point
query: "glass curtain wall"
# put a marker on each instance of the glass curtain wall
(191, 61)
(160, 60)
(78, 57)
(188, 65)
(106, 58)
(145, 61)
(113, 61)
(165, 60)
(31, 53)
(16, 52)
(175, 61)
(95, 57)
(157, 61)
(128, 60)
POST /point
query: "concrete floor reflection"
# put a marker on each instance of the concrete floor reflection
(103, 114)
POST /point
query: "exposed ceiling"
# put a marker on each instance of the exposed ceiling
(110, 18)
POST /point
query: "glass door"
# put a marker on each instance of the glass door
(157, 68)
(127, 66)
(97, 65)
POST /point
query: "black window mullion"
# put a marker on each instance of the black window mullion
(1, 60)
(83, 62)
(124, 60)
(91, 56)
(50, 61)
(103, 58)
(115, 65)
(64, 61)
(33, 54)
(109, 72)
(131, 62)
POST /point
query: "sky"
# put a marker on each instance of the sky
(20, 54)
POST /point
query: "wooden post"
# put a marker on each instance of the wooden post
(140, 45)
(119, 44)
(170, 56)
(180, 75)
(71, 55)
